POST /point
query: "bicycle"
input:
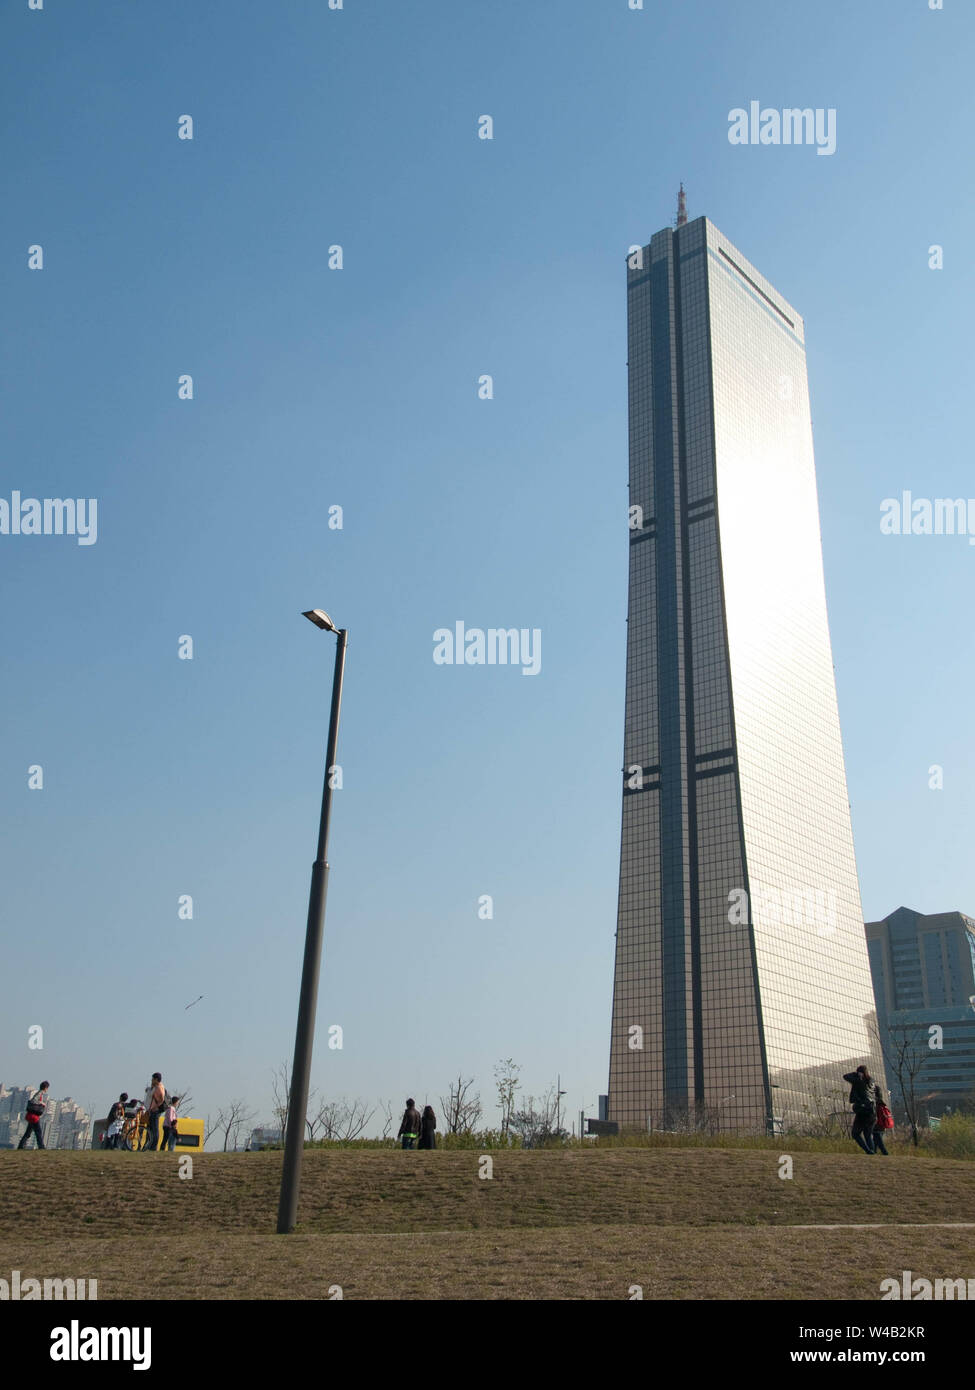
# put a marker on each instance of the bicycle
(134, 1132)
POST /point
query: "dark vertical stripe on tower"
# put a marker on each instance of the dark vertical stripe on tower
(668, 693)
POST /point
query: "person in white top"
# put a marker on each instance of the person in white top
(116, 1118)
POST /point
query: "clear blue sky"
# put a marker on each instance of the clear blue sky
(358, 388)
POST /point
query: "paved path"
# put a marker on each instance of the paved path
(889, 1225)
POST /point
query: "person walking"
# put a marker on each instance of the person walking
(155, 1105)
(428, 1128)
(35, 1113)
(409, 1130)
(862, 1092)
(169, 1124)
(884, 1120)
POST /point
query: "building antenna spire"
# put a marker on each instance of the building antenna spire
(681, 208)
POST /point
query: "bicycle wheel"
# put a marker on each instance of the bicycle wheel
(135, 1137)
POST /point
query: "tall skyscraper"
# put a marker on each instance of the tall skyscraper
(742, 989)
(923, 967)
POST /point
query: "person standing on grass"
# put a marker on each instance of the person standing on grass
(169, 1124)
(884, 1120)
(35, 1113)
(409, 1130)
(116, 1121)
(155, 1105)
(428, 1128)
(862, 1093)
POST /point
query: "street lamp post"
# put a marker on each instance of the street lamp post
(294, 1139)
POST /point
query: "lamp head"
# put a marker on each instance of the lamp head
(321, 619)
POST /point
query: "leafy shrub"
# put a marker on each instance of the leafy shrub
(954, 1137)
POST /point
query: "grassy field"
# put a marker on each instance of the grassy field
(694, 1223)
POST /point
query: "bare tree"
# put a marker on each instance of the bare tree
(507, 1083)
(313, 1115)
(185, 1099)
(825, 1111)
(342, 1120)
(537, 1122)
(388, 1121)
(460, 1109)
(907, 1051)
(231, 1119)
(355, 1117)
(281, 1090)
(326, 1121)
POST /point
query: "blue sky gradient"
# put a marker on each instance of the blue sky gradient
(315, 387)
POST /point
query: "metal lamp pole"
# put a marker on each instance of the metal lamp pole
(294, 1139)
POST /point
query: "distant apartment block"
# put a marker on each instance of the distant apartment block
(923, 968)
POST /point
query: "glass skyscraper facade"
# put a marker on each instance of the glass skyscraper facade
(742, 987)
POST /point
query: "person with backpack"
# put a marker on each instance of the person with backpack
(409, 1130)
(155, 1105)
(862, 1093)
(169, 1124)
(428, 1128)
(35, 1113)
(884, 1120)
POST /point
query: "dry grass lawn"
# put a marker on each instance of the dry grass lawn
(577, 1225)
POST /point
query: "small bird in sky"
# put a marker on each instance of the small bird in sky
(195, 1001)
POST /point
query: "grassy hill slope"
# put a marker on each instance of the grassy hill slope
(698, 1223)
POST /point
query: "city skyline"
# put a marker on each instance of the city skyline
(65, 1125)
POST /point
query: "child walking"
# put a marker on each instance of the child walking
(169, 1123)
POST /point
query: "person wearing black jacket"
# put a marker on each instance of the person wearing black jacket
(428, 1128)
(863, 1099)
(409, 1130)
